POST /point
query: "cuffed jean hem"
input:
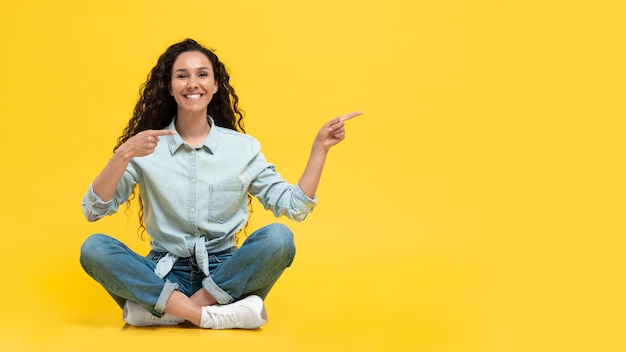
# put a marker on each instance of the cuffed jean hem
(168, 289)
(220, 295)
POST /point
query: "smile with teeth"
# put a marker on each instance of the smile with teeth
(193, 96)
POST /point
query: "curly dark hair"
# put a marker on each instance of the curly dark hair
(156, 107)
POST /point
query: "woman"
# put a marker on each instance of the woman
(186, 150)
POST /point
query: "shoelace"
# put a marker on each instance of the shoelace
(223, 319)
(166, 318)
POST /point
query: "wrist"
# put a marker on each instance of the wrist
(122, 155)
(319, 148)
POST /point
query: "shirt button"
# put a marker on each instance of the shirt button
(193, 152)
(193, 209)
(193, 180)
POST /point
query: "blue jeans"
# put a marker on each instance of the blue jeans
(235, 273)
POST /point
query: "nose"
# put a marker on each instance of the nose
(191, 83)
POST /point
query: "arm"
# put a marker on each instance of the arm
(141, 144)
(330, 135)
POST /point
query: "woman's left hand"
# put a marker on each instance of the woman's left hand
(333, 131)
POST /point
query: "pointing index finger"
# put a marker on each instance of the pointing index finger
(349, 116)
(163, 132)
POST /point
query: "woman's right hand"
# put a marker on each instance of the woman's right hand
(143, 143)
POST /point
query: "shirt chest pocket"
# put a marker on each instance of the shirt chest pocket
(224, 200)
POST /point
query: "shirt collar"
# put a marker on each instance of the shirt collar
(175, 141)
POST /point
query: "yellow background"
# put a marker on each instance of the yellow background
(476, 205)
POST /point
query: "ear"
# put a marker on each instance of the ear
(169, 87)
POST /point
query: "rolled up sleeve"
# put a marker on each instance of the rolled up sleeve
(95, 208)
(278, 195)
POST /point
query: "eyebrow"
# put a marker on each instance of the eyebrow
(198, 69)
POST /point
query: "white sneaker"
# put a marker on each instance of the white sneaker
(136, 315)
(248, 313)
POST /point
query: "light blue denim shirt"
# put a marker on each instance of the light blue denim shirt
(195, 199)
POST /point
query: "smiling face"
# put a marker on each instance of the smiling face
(193, 82)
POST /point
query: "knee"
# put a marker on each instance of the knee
(91, 250)
(280, 239)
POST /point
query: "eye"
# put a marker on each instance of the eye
(181, 76)
(203, 74)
